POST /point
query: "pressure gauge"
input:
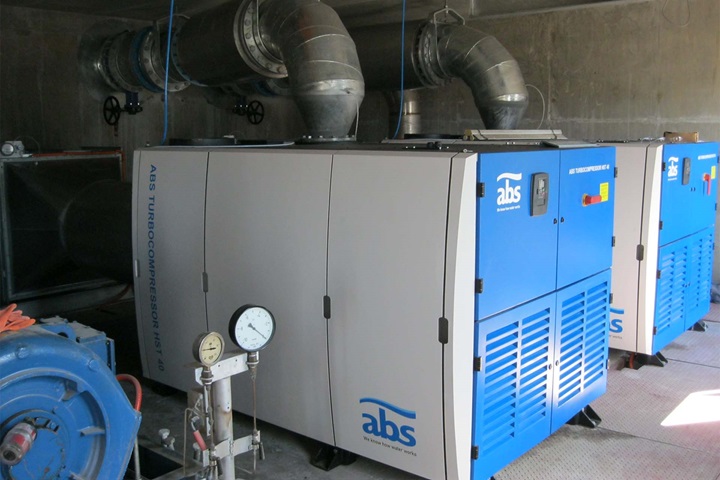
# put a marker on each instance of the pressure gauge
(12, 149)
(252, 327)
(8, 149)
(208, 348)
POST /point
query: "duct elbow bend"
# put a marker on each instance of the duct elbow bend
(321, 59)
(493, 75)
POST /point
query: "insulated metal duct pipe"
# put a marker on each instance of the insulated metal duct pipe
(235, 44)
(133, 61)
(322, 62)
(493, 75)
(223, 45)
(435, 53)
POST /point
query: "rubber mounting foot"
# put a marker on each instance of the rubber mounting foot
(329, 457)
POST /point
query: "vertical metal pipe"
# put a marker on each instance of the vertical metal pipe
(411, 121)
(223, 427)
(136, 459)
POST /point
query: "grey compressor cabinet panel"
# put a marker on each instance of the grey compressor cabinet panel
(265, 244)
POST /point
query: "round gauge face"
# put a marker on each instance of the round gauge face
(8, 149)
(252, 327)
(208, 348)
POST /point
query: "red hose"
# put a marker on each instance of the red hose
(200, 441)
(138, 389)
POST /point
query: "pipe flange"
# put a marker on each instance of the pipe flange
(250, 44)
(425, 57)
(117, 45)
(176, 59)
(104, 66)
(150, 53)
(139, 67)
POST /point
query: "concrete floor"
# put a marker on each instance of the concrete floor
(631, 442)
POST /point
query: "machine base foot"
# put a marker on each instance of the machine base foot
(700, 326)
(637, 360)
(587, 417)
(330, 457)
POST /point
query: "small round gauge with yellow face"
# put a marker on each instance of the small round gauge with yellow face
(208, 348)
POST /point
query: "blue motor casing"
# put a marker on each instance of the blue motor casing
(85, 424)
(95, 340)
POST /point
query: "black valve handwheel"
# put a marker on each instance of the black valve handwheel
(112, 110)
(255, 112)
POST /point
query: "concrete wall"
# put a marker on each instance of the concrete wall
(605, 72)
(619, 71)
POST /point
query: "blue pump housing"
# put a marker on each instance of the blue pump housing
(85, 424)
(542, 295)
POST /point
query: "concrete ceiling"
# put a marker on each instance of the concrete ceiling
(353, 12)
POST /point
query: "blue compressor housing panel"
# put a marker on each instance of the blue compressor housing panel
(521, 256)
(542, 363)
(581, 346)
(697, 294)
(542, 295)
(689, 189)
(516, 252)
(683, 285)
(586, 230)
(685, 250)
(512, 405)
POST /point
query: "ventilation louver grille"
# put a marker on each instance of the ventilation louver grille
(701, 258)
(515, 381)
(671, 287)
(583, 342)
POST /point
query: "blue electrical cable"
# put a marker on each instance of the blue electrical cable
(402, 71)
(167, 73)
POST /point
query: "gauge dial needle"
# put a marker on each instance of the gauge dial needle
(258, 331)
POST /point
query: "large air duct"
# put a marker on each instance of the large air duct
(303, 40)
(436, 52)
(321, 59)
(493, 75)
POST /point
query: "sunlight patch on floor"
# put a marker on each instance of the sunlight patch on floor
(698, 407)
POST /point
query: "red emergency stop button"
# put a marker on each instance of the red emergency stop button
(591, 199)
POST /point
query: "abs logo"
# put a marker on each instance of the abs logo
(673, 168)
(616, 323)
(389, 422)
(509, 193)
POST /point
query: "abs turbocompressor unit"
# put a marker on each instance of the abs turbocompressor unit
(438, 310)
(665, 233)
